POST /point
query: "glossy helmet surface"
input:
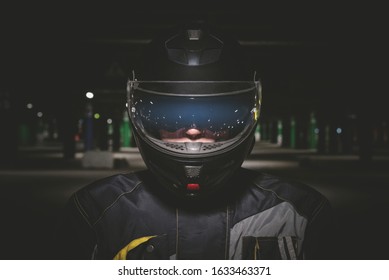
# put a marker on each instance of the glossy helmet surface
(194, 106)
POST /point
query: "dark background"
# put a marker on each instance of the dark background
(330, 59)
(321, 58)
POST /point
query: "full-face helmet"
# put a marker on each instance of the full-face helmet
(194, 104)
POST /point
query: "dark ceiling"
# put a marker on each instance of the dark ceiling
(302, 52)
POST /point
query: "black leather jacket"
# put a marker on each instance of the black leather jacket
(130, 217)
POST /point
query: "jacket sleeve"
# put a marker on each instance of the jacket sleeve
(319, 235)
(74, 237)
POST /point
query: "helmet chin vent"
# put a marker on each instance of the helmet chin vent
(176, 146)
(208, 147)
(193, 147)
(192, 171)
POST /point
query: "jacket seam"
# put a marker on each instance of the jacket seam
(114, 202)
(81, 210)
(317, 210)
(283, 199)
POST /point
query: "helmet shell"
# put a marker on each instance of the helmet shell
(193, 53)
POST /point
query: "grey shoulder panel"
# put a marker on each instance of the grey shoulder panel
(278, 221)
(305, 199)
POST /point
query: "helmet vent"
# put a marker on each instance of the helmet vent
(211, 146)
(192, 171)
(194, 34)
(175, 146)
(194, 47)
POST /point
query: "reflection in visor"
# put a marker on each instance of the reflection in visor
(193, 118)
(192, 135)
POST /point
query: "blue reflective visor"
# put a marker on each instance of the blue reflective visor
(200, 111)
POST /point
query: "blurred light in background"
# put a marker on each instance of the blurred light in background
(339, 130)
(89, 95)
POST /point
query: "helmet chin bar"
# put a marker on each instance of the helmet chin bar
(194, 179)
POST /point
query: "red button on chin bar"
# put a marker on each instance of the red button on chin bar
(193, 187)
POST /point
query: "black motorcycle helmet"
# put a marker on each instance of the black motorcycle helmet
(194, 104)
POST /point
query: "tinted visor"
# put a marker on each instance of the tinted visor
(193, 111)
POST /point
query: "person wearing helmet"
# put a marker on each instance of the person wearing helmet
(194, 106)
